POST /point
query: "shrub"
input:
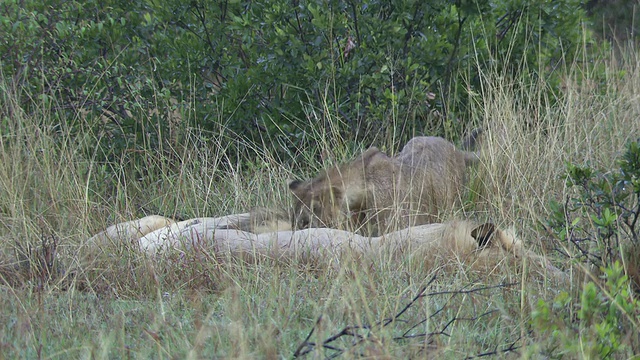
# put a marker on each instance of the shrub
(601, 324)
(271, 72)
(598, 224)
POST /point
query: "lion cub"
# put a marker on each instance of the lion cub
(375, 194)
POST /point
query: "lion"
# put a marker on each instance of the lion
(260, 220)
(130, 231)
(480, 245)
(375, 193)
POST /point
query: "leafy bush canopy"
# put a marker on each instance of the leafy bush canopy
(131, 70)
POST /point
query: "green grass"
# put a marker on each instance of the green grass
(120, 304)
(262, 311)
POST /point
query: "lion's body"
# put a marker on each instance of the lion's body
(376, 193)
(131, 230)
(482, 246)
(260, 220)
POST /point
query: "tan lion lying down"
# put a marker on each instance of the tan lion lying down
(459, 240)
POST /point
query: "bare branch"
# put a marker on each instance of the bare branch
(511, 348)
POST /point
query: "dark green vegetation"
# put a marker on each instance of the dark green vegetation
(113, 110)
(272, 72)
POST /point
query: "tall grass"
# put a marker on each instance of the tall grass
(119, 304)
(533, 133)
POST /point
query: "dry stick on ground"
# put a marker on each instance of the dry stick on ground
(307, 347)
(496, 351)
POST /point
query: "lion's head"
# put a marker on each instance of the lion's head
(315, 204)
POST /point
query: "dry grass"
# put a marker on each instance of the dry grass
(119, 304)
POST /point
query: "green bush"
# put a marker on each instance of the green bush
(601, 324)
(599, 223)
(92, 63)
(275, 72)
(598, 227)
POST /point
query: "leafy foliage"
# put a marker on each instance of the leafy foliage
(602, 217)
(602, 325)
(598, 226)
(134, 71)
(92, 63)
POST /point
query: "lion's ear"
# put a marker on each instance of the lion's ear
(483, 233)
(293, 184)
